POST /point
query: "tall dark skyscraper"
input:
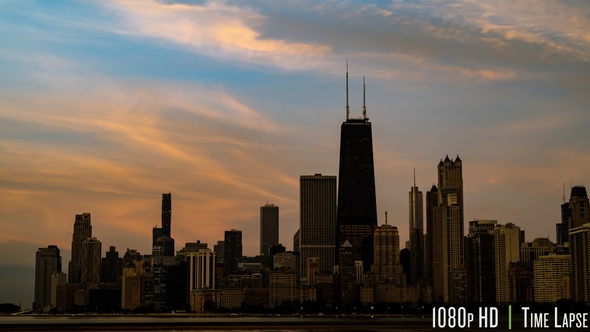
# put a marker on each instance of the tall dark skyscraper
(269, 227)
(445, 233)
(162, 240)
(416, 229)
(232, 251)
(357, 206)
(82, 231)
(317, 223)
(47, 262)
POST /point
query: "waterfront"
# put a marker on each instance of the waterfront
(209, 322)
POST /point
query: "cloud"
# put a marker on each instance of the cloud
(215, 29)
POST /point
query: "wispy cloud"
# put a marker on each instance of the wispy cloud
(215, 29)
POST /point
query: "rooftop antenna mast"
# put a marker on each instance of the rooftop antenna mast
(385, 217)
(564, 192)
(347, 108)
(414, 176)
(364, 101)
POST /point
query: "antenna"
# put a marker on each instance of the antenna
(414, 176)
(347, 108)
(564, 192)
(364, 101)
(385, 217)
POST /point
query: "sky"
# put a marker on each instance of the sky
(105, 105)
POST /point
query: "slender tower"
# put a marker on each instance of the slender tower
(416, 225)
(357, 207)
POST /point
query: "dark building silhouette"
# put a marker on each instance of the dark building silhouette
(269, 227)
(579, 241)
(416, 230)
(357, 206)
(111, 267)
(481, 267)
(47, 263)
(162, 240)
(317, 223)
(82, 231)
(446, 233)
(347, 275)
(232, 251)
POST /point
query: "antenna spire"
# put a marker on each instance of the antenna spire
(414, 176)
(385, 217)
(364, 100)
(347, 108)
(564, 192)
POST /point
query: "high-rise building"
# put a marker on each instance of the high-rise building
(111, 267)
(386, 253)
(269, 227)
(347, 273)
(357, 206)
(551, 275)
(579, 242)
(232, 251)
(91, 259)
(416, 229)
(481, 266)
(507, 242)
(82, 231)
(317, 223)
(433, 243)
(579, 207)
(201, 269)
(445, 217)
(47, 263)
(162, 240)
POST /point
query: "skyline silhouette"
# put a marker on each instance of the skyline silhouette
(104, 106)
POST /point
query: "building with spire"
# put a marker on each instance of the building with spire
(357, 206)
(415, 227)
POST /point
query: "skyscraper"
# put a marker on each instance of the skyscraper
(386, 253)
(445, 215)
(232, 251)
(91, 258)
(357, 206)
(579, 239)
(82, 231)
(480, 262)
(47, 262)
(162, 240)
(416, 219)
(507, 242)
(269, 227)
(317, 223)
(579, 207)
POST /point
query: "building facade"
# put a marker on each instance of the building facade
(82, 231)
(47, 263)
(579, 239)
(269, 227)
(416, 230)
(507, 242)
(317, 223)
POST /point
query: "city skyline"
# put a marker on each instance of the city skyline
(105, 106)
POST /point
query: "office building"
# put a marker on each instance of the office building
(579, 241)
(201, 270)
(317, 223)
(445, 217)
(47, 263)
(357, 206)
(551, 275)
(481, 266)
(507, 242)
(82, 231)
(232, 251)
(91, 259)
(386, 253)
(269, 227)
(416, 230)
(162, 241)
